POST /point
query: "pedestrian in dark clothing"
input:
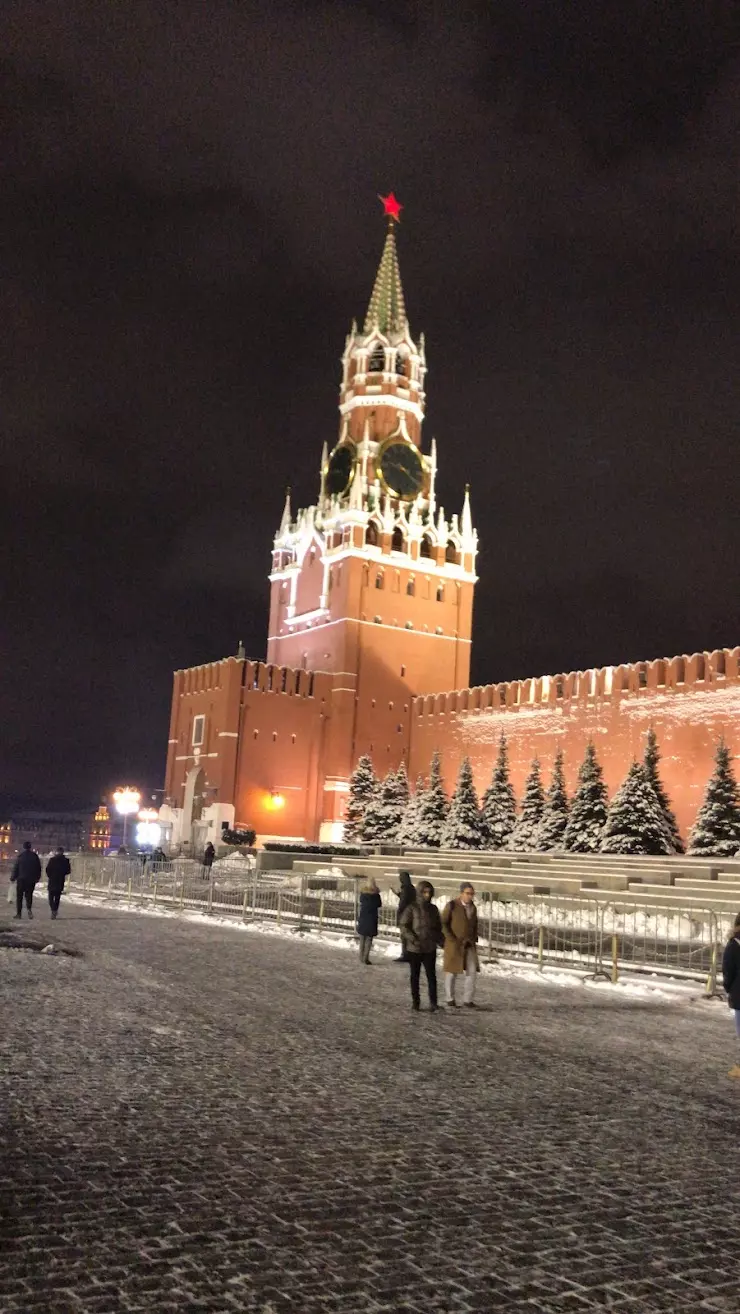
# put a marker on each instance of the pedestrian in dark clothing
(367, 920)
(731, 981)
(26, 874)
(209, 854)
(421, 929)
(57, 871)
(406, 896)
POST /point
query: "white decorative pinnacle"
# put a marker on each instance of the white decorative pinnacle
(287, 515)
(467, 533)
(432, 478)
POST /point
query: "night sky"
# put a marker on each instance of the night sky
(188, 223)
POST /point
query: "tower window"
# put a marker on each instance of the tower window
(400, 364)
(199, 730)
(377, 360)
(410, 588)
(397, 543)
(403, 671)
(451, 554)
(274, 736)
(440, 593)
(379, 580)
(720, 664)
(371, 535)
(700, 666)
(426, 547)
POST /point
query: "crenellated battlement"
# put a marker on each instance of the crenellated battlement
(265, 677)
(697, 672)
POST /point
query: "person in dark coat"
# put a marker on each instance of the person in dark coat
(26, 874)
(57, 871)
(367, 920)
(731, 981)
(421, 930)
(209, 854)
(406, 896)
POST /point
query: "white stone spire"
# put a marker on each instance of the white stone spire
(467, 534)
(287, 514)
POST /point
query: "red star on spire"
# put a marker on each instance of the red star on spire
(391, 206)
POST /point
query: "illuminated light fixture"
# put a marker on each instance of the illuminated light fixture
(148, 833)
(275, 800)
(127, 801)
(148, 814)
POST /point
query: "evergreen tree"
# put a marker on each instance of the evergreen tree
(588, 809)
(409, 830)
(635, 821)
(362, 785)
(651, 762)
(464, 827)
(555, 816)
(384, 812)
(499, 801)
(433, 808)
(717, 827)
(524, 835)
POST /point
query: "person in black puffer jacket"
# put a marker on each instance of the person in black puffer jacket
(26, 874)
(731, 980)
(421, 929)
(57, 870)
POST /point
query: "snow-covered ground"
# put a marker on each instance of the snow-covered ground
(655, 986)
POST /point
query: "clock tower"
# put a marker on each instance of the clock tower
(374, 583)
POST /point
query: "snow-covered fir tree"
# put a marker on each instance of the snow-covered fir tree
(362, 785)
(523, 838)
(408, 833)
(588, 809)
(433, 808)
(651, 763)
(551, 830)
(464, 827)
(635, 821)
(384, 812)
(499, 801)
(717, 827)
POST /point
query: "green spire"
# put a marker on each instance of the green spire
(386, 308)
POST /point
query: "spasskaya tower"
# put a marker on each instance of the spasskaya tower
(374, 583)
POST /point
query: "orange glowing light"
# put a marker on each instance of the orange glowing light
(275, 801)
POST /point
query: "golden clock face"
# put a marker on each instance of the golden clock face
(340, 469)
(401, 469)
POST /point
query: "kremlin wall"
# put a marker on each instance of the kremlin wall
(369, 642)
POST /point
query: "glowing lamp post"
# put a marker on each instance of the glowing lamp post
(148, 831)
(126, 802)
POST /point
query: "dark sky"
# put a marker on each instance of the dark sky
(188, 223)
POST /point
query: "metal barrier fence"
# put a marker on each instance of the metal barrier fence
(597, 937)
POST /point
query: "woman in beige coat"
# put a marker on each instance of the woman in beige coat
(460, 930)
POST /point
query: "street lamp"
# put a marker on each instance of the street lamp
(127, 800)
(148, 832)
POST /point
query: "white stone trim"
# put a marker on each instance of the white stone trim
(353, 620)
(228, 734)
(383, 399)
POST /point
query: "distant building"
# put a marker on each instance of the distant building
(100, 829)
(45, 830)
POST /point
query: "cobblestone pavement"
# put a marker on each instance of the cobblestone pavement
(198, 1118)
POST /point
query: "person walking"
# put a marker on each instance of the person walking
(731, 981)
(421, 931)
(209, 854)
(406, 896)
(26, 874)
(460, 929)
(367, 920)
(57, 871)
